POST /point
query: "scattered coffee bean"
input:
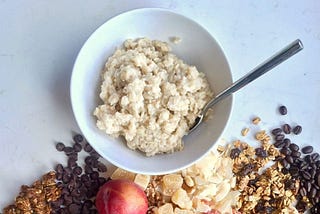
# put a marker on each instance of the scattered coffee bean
(286, 142)
(77, 147)
(295, 154)
(297, 130)
(289, 159)
(285, 151)
(276, 131)
(315, 157)
(279, 137)
(283, 110)
(78, 138)
(294, 147)
(307, 149)
(286, 128)
(279, 144)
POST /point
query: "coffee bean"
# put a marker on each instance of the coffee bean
(279, 144)
(276, 131)
(289, 159)
(286, 128)
(60, 146)
(283, 110)
(77, 170)
(306, 175)
(285, 151)
(88, 169)
(294, 147)
(279, 137)
(303, 191)
(295, 154)
(315, 156)
(297, 130)
(318, 179)
(294, 171)
(284, 163)
(307, 149)
(286, 142)
(313, 192)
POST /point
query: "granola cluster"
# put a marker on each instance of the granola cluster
(37, 197)
(263, 188)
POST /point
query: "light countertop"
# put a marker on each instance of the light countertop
(39, 41)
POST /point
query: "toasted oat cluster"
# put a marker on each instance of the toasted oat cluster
(36, 198)
(201, 188)
(150, 96)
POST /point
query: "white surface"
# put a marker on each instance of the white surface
(158, 24)
(39, 41)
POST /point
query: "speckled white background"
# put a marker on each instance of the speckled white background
(39, 41)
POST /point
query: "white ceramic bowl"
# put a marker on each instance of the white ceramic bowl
(197, 48)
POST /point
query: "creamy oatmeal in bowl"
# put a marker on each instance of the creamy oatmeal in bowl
(203, 68)
(150, 96)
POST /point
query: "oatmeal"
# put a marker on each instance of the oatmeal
(150, 96)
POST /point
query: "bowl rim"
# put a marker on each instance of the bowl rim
(139, 10)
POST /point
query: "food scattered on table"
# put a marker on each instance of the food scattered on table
(201, 188)
(150, 96)
(121, 197)
(37, 197)
(277, 176)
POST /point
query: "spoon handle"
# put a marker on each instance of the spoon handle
(261, 69)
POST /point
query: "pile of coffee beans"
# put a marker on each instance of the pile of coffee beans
(302, 164)
(79, 184)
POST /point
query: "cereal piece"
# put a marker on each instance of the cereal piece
(244, 131)
(181, 198)
(171, 183)
(256, 120)
(142, 180)
(189, 181)
(122, 174)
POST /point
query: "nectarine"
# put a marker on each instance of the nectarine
(121, 197)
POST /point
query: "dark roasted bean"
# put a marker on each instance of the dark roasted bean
(88, 169)
(294, 171)
(307, 149)
(248, 168)
(295, 154)
(286, 142)
(72, 162)
(313, 192)
(279, 144)
(303, 191)
(283, 110)
(315, 156)
(297, 130)
(308, 159)
(279, 137)
(286, 128)
(289, 159)
(59, 168)
(306, 175)
(276, 131)
(317, 178)
(78, 138)
(60, 146)
(294, 147)
(94, 175)
(285, 151)
(260, 152)
(284, 163)
(285, 171)
(234, 153)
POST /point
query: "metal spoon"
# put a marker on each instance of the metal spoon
(266, 66)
